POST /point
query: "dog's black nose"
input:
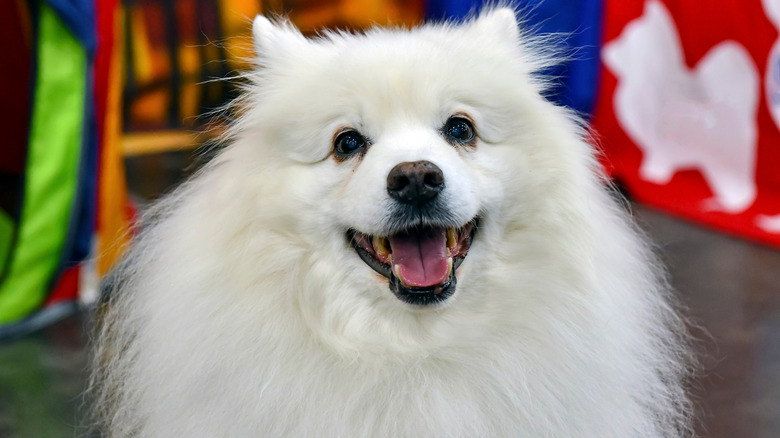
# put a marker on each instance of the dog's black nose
(415, 183)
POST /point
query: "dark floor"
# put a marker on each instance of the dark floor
(731, 287)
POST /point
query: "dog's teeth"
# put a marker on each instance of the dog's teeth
(380, 245)
(452, 238)
(397, 272)
(449, 266)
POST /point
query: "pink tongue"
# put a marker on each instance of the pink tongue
(422, 257)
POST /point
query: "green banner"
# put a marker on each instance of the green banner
(52, 168)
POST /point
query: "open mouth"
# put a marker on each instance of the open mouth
(420, 262)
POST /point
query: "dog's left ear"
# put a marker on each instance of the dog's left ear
(501, 22)
(272, 38)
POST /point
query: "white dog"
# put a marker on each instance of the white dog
(403, 239)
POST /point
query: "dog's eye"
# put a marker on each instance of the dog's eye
(459, 130)
(348, 143)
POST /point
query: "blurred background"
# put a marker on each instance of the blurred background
(105, 105)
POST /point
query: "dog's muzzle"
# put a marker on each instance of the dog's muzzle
(421, 259)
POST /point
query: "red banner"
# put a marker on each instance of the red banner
(689, 109)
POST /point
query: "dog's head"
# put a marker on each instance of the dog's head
(397, 154)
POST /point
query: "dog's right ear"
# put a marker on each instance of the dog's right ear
(271, 38)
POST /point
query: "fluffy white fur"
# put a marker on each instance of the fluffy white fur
(242, 311)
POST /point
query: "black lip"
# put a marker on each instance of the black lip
(426, 296)
(414, 296)
(382, 268)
